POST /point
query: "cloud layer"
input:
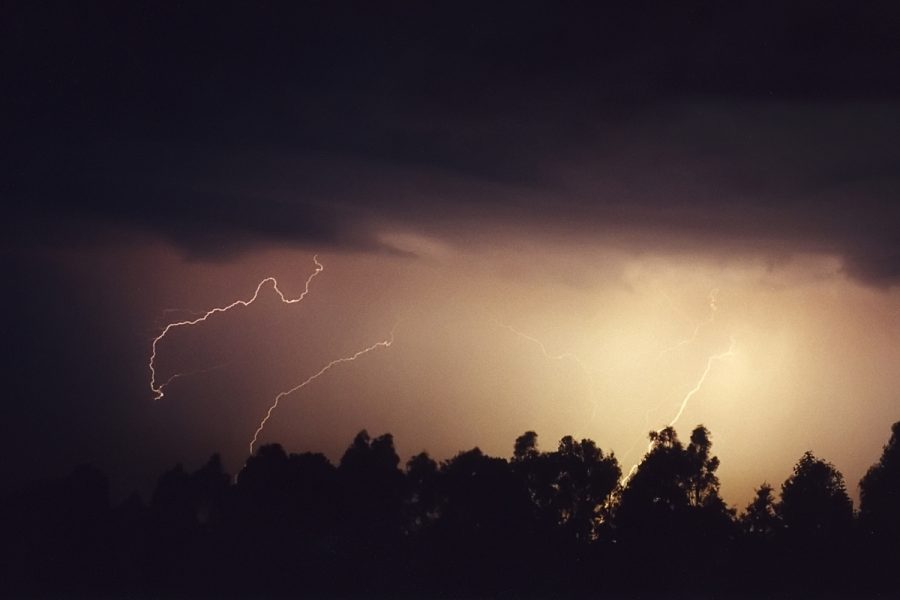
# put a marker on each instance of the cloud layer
(701, 128)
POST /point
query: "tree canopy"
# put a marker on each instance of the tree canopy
(558, 522)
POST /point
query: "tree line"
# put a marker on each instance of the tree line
(540, 524)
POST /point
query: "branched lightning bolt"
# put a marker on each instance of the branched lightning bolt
(564, 356)
(699, 384)
(157, 389)
(687, 397)
(188, 373)
(540, 344)
(713, 303)
(382, 344)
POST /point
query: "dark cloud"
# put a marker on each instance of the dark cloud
(767, 128)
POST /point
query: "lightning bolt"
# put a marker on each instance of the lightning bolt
(158, 389)
(382, 344)
(713, 303)
(709, 363)
(197, 372)
(540, 344)
(560, 357)
(687, 397)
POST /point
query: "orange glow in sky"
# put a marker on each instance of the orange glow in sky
(797, 357)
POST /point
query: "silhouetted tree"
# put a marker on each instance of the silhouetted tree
(568, 487)
(525, 446)
(758, 563)
(370, 473)
(879, 492)
(584, 479)
(373, 509)
(674, 496)
(541, 524)
(814, 504)
(422, 500)
(189, 500)
(485, 521)
(284, 517)
(670, 479)
(818, 518)
(538, 473)
(703, 483)
(879, 515)
(184, 509)
(481, 494)
(657, 491)
(761, 520)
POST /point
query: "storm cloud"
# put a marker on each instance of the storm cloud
(700, 127)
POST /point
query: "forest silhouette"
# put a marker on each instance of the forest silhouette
(543, 523)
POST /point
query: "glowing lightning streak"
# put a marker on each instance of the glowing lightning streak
(564, 356)
(687, 397)
(157, 389)
(713, 298)
(709, 363)
(383, 344)
(198, 372)
(543, 348)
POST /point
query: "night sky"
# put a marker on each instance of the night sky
(562, 210)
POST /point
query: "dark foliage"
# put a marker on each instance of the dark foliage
(543, 524)
(879, 514)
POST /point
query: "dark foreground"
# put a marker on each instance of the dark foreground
(560, 524)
